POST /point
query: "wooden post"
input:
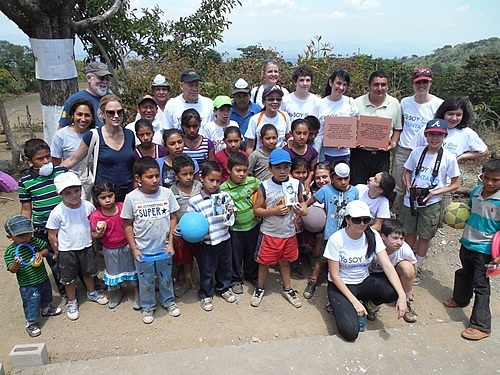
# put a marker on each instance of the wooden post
(14, 147)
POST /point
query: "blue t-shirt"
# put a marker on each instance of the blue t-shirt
(116, 166)
(243, 121)
(84, 94)
(335, 202)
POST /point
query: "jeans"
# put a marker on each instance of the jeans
(146, 272)
(243, 248)
(34, 297)
(401, 154)
(471, 278)
(215, 260)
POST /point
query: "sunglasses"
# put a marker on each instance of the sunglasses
(111, 113)
(358, 220)
(274, 100)
(423, 82)
(423, 73)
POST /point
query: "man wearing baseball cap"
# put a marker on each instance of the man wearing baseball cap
(243, 108)
(189, 98)
(98, 79)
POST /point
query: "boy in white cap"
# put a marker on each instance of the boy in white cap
(70, 237)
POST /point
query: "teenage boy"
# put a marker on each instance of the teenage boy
(427, 172)
(301, 102)
(245, 231)
(277, 241)
(214, 130)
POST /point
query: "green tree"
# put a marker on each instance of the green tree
(17, 72)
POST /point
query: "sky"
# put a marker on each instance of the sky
(381, 28)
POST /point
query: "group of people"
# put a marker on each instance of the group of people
(255, 173)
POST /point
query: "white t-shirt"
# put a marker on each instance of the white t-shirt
(215, 133)
(157, 127)
(176, 106)
(415, 116)
(259, 90)
(379, 206)
(299, 108)
(403, 253)
(73, 226)
(448, 169)
(351, 255)
(344, 107)
(281, 121)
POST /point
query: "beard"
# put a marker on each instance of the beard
(99, 90)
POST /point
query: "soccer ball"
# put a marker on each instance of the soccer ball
(456, 215)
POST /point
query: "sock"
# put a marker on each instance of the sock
(314, 279)
(420, 261)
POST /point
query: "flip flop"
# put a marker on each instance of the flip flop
(451, 303)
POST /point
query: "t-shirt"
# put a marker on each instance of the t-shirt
(351, 255)
(221, 158)
(183, 198)
(83, 94)
(309, 155)
(243, 121)
(405, 252)
(73, 225)
(298, 108)
(200, 153)
(243, 195)
(151, 218)
(256, 94)
(447, 169)
(64, 144)
(281, 121)
(379, 206)
(258, 164)
(176, 106)
(215, 133)
(27, 275)
(114, 237)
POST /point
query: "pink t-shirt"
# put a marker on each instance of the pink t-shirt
(114, 237)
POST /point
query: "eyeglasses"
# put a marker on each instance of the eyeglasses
(274, 100)
(358, 220)
(103, 78)
(423, 73)
(112, 114)
(423, 82)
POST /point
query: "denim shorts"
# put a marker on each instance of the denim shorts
(34, 297)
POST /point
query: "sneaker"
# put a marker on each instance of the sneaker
(33, 330)
(310, 289)
(418, 277)
(51, 311)
(410, 315)
(98, 297)
(207, 304)
(72, 310)
(256, 299)
(237, 288)
(148, 316)
(228, 296)
(329, 308)
(292, 297)
(173, 310)
(136, 305)
(371, 311)
(296, 270)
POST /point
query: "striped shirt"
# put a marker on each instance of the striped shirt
(243, 195)
(41, 192)
(200, 153)
(27, 275)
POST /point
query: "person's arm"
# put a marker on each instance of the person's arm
(469, 155)
(52, 234)
(394, 139)
(260, 211)
(300, 209)
(312, 199)
(211, 154)
(41, 254)
(407, 179)
(173, 225)
(454, 185)
(378, 224)
(393, 277)
(26, 209)
(56, 161)
(250, 146)
(77, 157)
(128, 225)
(333, 268)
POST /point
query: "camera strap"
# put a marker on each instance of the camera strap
(435, 170)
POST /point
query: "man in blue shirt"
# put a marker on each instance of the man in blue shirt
(243, 108)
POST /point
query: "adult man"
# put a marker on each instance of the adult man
(190, 98)
(243, 108)
(367, 162)
(147, 109)
(98, 77)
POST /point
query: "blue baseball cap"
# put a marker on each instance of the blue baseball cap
(437, 126)
(279, 156)
(18, 225)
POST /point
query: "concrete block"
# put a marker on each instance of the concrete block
(27, 355)
(2, 371)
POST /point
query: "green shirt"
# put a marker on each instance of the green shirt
(27, 275)
(242, 196)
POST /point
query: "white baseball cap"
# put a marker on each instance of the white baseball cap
(358, 208)
(65, 180)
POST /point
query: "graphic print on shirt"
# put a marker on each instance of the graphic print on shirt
(153, 210)
(340, 205)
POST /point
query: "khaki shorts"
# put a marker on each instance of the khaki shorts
(425, 223)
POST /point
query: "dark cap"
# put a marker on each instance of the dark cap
(18, 225)
(420, 74)
(190, 75)
(437, 126)
(143, 98)
(98, 68)
(271, 89)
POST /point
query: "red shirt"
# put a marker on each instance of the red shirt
(221, 158)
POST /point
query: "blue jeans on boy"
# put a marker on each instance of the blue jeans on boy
(146, 272)
(214, 260)
(471, 279)
(34, 297)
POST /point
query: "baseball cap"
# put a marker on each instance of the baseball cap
(420, 74)
(279, 156)
(17, 225)
(65, 180)
(160, 81)
(358, 208)
(144, 98)
(241, 86)
(190, 75)
(342, 170)
(271, 89)
(98, 68)
(436, 125)
(222, 100)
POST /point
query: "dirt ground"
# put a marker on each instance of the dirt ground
(101, 332)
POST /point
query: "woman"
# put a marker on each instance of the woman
(116, 148)
(270, 77)
(349, 252)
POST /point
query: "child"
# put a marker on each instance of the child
(215, 130)
(402, 258)
(314, 126)
(34, 284)
(378, 194)
(184, 188)
(258, 162)
(335, 197)
(245, 231)
(145, 133)
(277, 240)
(70, 236)
(199, 148)
(476, 253)
(232, 140)
(38, 195)
(426, 174)
(215, 250)
(107, 225)
(149, 219)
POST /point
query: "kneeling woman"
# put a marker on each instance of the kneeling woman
(349, 252)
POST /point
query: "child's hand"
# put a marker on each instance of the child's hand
(100, 227)
(171, 249)
(281, 210)
(38, 257)
(55, 256)
(298, 209)
(137, 255)
(428, 196)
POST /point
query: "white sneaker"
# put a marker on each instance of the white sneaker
(148, 316)
(72, 310)
(228, 296)
(207, 304)
(173, 310)
(98, 297)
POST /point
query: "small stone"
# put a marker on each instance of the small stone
(276, 334)
(255, 339)
(117, 347)
(200, 339)
(437, 320)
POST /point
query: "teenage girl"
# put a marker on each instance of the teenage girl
(145, 133)
(378, 194)
(107, 225)
(199, 148)
(270, 76)
(233, 140)
(259, 159)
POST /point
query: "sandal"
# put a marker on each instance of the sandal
(474, 334)
(451, 303)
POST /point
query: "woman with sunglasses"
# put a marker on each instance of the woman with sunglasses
(116, 147)
(354, 293)
(270, 77)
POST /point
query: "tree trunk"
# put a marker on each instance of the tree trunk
(14, 147)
